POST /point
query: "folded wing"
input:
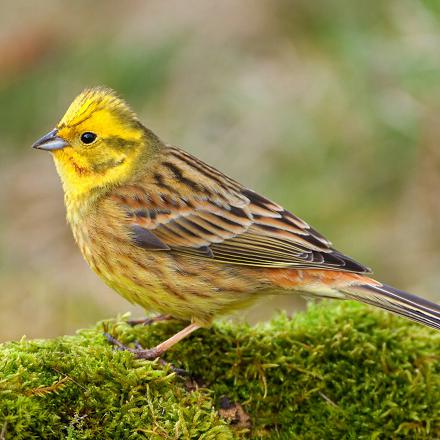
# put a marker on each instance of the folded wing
(190, 208)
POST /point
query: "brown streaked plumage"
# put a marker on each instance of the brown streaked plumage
(177, 236)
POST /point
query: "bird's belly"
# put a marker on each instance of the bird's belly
(184, 287)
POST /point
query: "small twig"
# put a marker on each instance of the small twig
(3, 433)
(327, 399)
(70, 378)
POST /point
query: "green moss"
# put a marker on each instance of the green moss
(340, 370)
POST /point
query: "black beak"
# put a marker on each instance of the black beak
(50, 142)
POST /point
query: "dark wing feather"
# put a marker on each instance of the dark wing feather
(200, 212)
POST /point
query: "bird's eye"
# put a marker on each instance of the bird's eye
(88, 137)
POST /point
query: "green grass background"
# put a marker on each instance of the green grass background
(329, 107)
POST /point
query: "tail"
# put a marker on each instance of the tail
(396, 301)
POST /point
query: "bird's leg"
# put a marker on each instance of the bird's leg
(149, 321)
(159, 350)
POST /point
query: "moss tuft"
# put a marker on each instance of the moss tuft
(339, 370)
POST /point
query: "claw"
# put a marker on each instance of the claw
(138, 346)
(139, 352)
(115, 342)
(179, 371)
(157, 351)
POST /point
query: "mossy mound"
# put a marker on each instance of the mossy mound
(339, 370)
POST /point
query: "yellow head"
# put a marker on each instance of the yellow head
(97, 143)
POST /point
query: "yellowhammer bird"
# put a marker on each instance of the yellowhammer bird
(177, 236)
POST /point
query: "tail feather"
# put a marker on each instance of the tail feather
(396, 301)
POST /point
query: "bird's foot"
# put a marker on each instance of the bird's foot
(139, 352)
(148, 354)
(149, 321)
(155, 352)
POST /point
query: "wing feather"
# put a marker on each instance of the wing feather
(193, 209)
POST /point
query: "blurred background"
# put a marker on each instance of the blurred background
(329, 107)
